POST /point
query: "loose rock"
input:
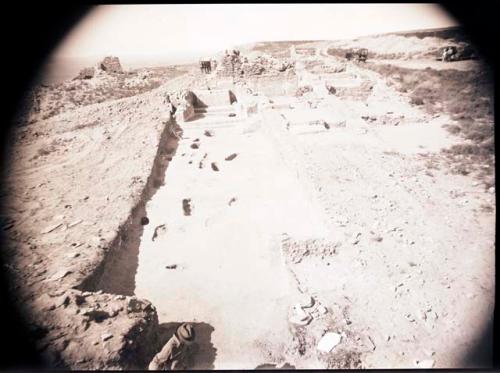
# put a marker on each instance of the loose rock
(231, 157)
(329, 341)
(106, 336)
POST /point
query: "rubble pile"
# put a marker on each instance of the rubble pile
(92, 85)
(85, 330)
(302, 90)
(234, 65)
(297, 250)
(360, 92)
(319, 67)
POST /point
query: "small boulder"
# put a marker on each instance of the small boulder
(231, 157)
(329, 341)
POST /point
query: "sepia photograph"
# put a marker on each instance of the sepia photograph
(251, 186)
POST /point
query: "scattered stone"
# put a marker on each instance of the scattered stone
(410, 317)
(232, 115)
(328, 342)
(186, 206)
(302, 90)
(214, 166)
(322, 310)
(355, 238)
(59, 275)
(73, 255)
(51, 228)
(96, 315)
(491, 190)
(115, 310)
(231, 157)
(297, 320)
(306, 301)
(231, 201)
(373, 343)
(144, 220)
(159, 230)
(134, 305)
(195, 145)
(106, 336)
(70, 225)
(299, 317)
(208, 133)
(331, 89)
(171, 266)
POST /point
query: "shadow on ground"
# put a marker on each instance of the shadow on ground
(481, 354)
(286, 366)
(203, 353)
(117, 274)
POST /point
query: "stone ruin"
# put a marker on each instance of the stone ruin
(108, 65)
(111, 65)
(184, 102)
(236, 66)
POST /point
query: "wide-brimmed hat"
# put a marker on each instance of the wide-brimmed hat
(185, 332)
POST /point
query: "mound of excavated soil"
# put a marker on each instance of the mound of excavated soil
(74, 193)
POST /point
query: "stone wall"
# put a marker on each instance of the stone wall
(111, 65)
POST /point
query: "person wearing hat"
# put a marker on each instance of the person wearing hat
(173, 355)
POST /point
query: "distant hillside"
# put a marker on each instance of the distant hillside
(396, 44)
(278, 49)
(456, 33)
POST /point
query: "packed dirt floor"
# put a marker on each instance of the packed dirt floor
(318, 203)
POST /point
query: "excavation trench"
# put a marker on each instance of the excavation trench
(116, 273)
(220, 266)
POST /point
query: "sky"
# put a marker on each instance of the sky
(184, 32)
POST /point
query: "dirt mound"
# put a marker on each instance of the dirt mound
(63, 236)
(114, 331)
(92, 86)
